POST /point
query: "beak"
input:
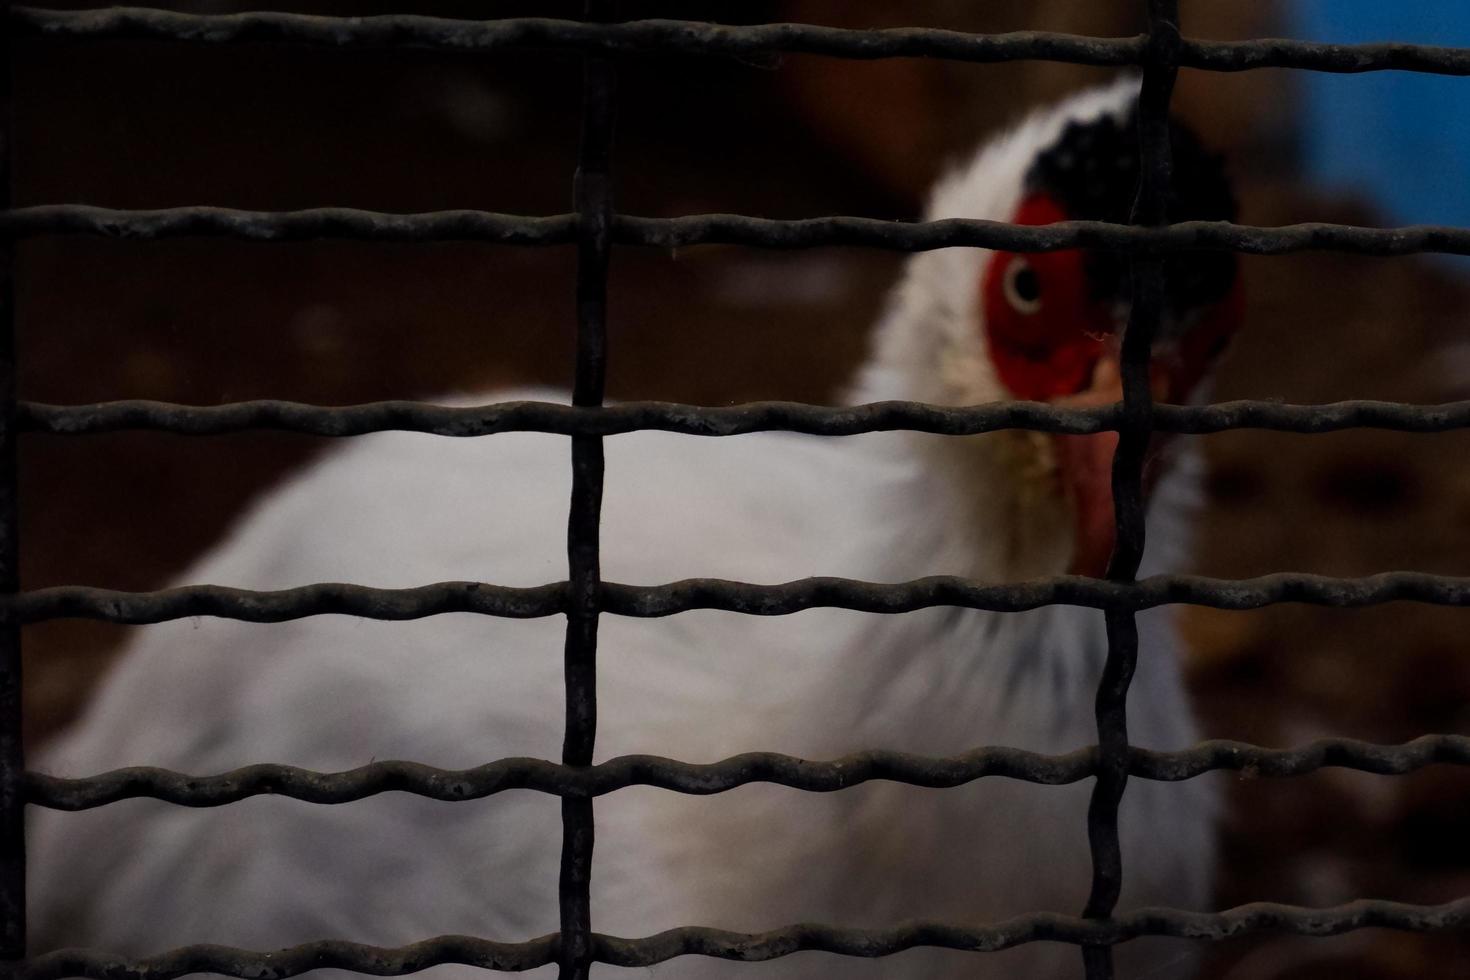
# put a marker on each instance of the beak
(1085, 465)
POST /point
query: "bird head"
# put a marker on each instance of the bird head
(969, 326)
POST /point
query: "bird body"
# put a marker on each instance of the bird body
(400, 509)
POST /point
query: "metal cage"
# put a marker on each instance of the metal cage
(595, 228)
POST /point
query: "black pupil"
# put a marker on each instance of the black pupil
(1026, 285)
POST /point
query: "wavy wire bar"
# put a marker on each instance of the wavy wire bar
(594, 227)
(741, 770)
(757, 947)
(821, 420)
(723, 229)
(593, 190)
(701, 38)
(1135, 431)
(652, 601)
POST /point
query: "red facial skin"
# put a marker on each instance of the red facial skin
(1051, 352)
(1062, 349)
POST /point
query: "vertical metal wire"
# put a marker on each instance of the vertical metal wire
(594, 219)
(12, 762)
(1147, 273)
(593, 193)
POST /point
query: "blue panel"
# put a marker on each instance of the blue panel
(1401, 139)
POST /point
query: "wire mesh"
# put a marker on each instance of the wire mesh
(594, 228)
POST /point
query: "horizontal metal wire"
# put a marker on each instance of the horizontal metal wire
(572, 781)
(723, 229)
(293, 961)
(702, 38)
(320, 599)
(287, 226)
(526, 416)
(718, 777)
(1257, 917)
(652, 601)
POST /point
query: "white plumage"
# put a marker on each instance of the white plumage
(396, 510)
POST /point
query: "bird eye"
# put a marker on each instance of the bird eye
(1022, 287)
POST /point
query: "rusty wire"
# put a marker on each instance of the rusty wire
(822, 420)
(716, 777)
(702, 38)
(749, 598)
(592, 190)
(1256, 917)
(583, 597)
(722, 229)
(1135, 433)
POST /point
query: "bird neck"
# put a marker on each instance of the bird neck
(944, 680)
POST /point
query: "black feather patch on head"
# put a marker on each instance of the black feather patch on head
(1091, 172)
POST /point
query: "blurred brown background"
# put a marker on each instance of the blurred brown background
(155, 125)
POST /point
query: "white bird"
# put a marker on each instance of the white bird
(965, 326)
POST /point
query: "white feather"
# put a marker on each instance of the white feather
(400, 510)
